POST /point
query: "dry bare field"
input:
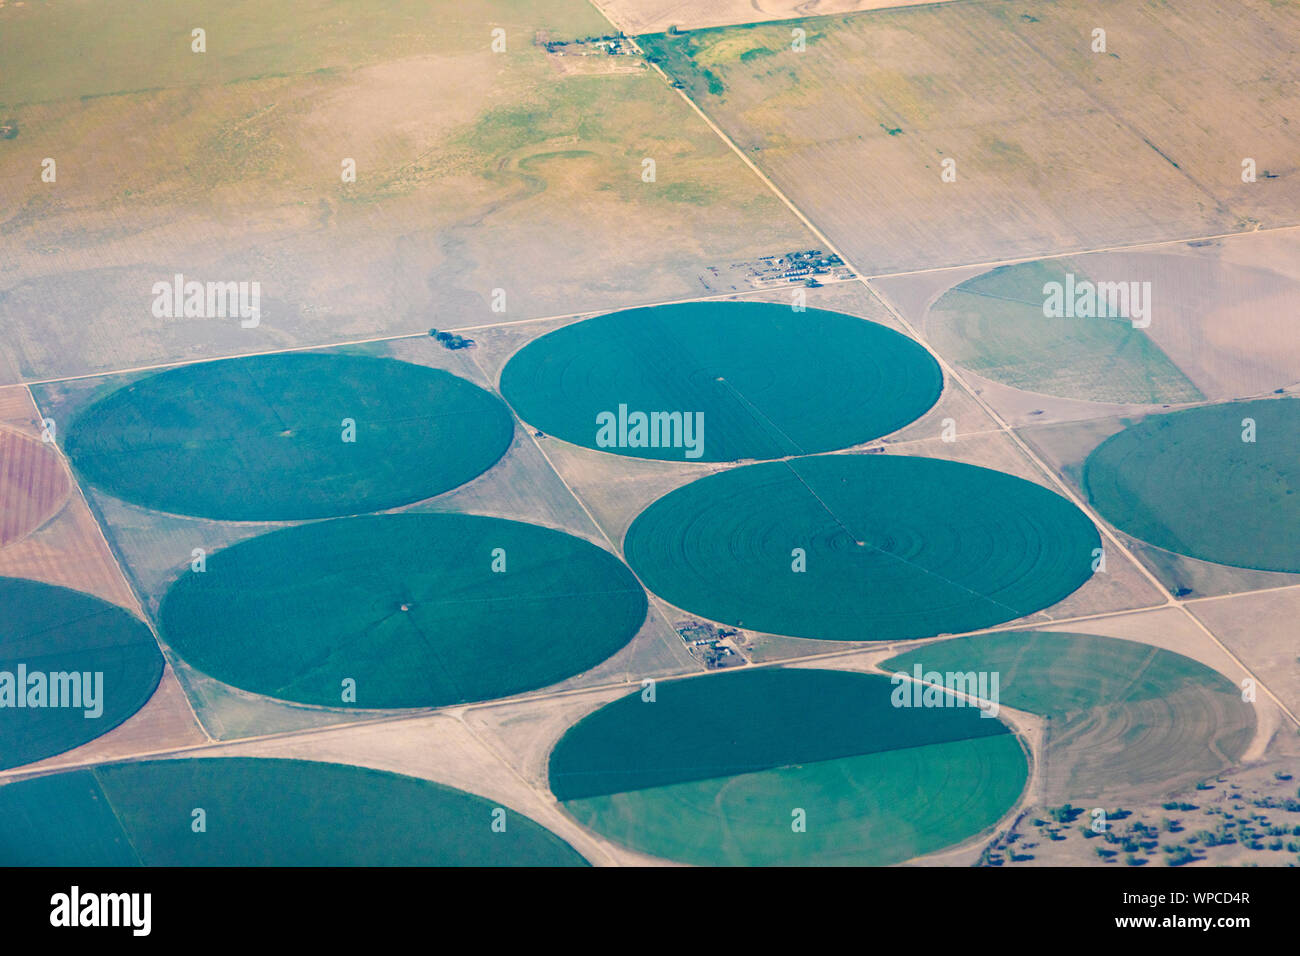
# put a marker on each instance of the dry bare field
(1260, 628)
(475, 171)
(33, 485)
(67, 549)
(1057, 148)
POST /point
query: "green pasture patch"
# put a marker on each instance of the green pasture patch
(1055, 674)
(1124, 720)
(744, 722)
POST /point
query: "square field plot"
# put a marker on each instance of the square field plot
(1056, 147)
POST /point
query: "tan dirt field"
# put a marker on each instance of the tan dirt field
(1260, 628)
(33, 485)
(1227, 325)
(67, 550)
(1057, 148)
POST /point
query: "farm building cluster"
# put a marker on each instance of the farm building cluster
(611, 45)
(715, 646)
(810, 267)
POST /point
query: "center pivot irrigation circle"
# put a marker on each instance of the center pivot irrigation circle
(787, 766)
(762, 381)
(80, 667)
(1219, 483)
(261, 812)
(290, 436)
(416, 610)
(862, 547)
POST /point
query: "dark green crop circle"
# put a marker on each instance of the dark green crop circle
(767, 381)
(267, 437)
(862, 547)
(417, 610)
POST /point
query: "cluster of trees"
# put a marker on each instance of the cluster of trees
(451, 340)
(553, 45)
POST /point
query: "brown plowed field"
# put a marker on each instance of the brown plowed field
(33, 485)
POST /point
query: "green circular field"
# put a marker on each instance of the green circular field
(92, 659)
(994, 324)
(260, 812)
(1187, 482)
(715, 771)
(408, 606)
(263, 438)
(767, 381)
(892, 547)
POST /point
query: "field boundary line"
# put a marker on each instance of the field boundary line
(130, 587)
(394, 337)
(121, 824)
(952, 375)
(545, 797)
(653, 599)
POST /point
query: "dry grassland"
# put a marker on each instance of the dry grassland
(1057, 148)
(656, 16)
(474, 171)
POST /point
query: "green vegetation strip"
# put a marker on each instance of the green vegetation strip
(993, 324)
(892, 547)
(99, 663)
(260, 812)
(1189, 482)
(269, 437)
(767, 381)
(786, 765)
(407, 606)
